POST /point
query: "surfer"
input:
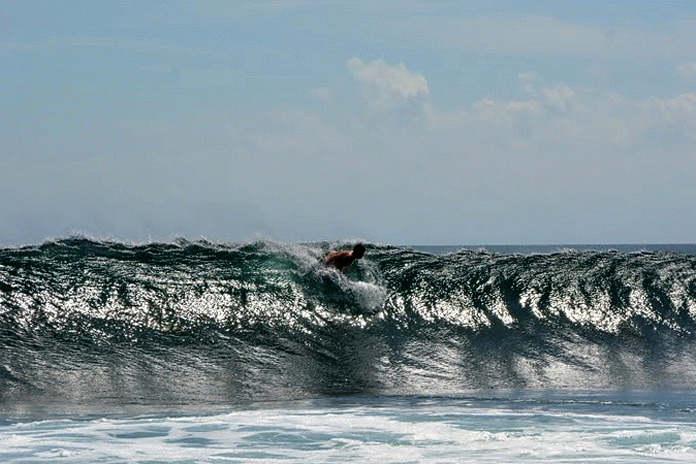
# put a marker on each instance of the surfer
(342, 259)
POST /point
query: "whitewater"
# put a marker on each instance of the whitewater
(191, 351)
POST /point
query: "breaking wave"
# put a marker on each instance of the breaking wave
(82, 319)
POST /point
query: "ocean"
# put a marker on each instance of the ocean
(192, 351)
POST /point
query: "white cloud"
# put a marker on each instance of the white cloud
(550, 115)
(687, 70)
(526, 79)
(678, 112)
(583, 117)
(387, 85)
(681, 107)
(560, 96)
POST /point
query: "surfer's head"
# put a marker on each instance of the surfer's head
(358, 251)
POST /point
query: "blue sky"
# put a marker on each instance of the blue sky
(402, 122)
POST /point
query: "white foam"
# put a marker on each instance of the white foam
(425, 432)
(370, 297)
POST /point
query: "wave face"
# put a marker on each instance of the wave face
(195, 322)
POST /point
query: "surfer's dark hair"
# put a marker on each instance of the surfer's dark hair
(359, 250)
